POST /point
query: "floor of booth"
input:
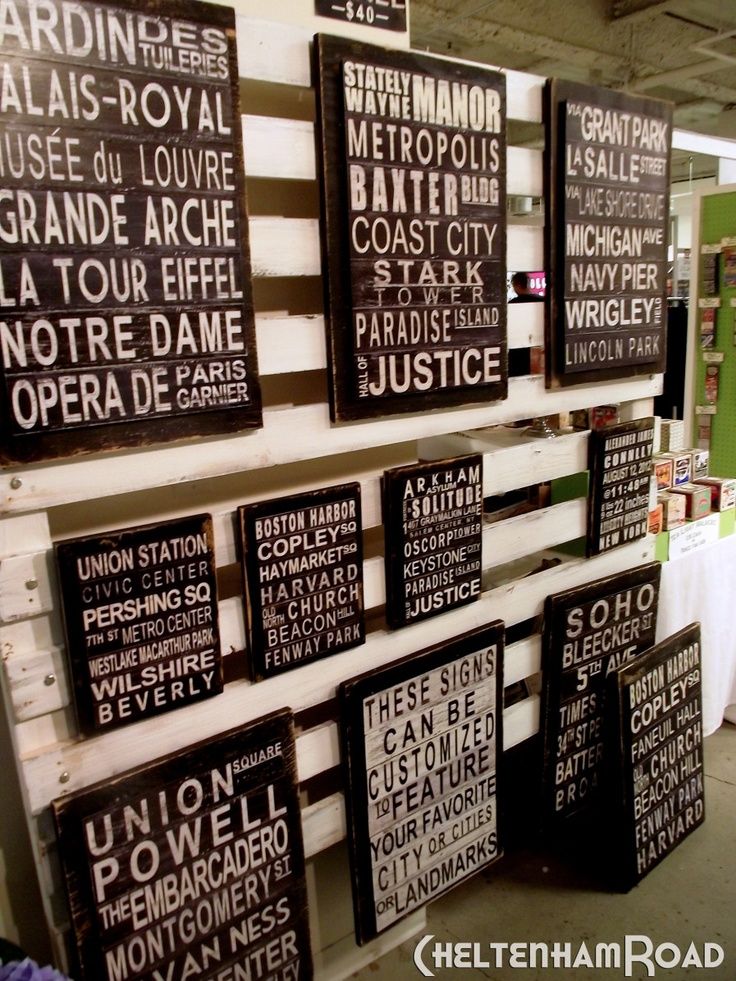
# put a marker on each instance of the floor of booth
(537, 895)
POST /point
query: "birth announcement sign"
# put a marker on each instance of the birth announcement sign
(126, 314)
(413, 153)
(658, 726)
(422, 741)
(140, 616)
(303, 564)
(607, 196)
(589, 632)
(191, 866)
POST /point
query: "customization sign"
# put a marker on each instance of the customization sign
(126, 314)
(607, 194)
(191, 866)
(433, 526)
(659, 736)
(422, 744)
(303, 566)
(413, 153)
(589, 632)
(620, 471)
(388, 14)
(140, 616)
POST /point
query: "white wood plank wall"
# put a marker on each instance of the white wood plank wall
(297, 449)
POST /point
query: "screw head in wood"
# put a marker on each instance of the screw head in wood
(49, 680)
(31, 583)
(65, 777)
(16, 483)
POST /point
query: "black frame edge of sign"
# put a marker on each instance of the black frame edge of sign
(327, 54)
(554, 93)
(352, 742)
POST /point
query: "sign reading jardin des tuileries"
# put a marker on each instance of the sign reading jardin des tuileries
(607, 200)
(191, 867)
(126, 314)
(413, 153)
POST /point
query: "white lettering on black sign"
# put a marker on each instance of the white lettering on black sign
(193, 866)
(124, 289)
(590, 632)
(387, 14)
(433, 521)
(420, 172)
(423, 738)
(304, 577)
(620, 471)
(610, 251)
(660, 731)
(140, 613)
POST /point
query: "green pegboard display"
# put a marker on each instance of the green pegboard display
(718, 221)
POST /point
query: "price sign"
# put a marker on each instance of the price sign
(387, 14)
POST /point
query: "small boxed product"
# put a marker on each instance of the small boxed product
(673, 510)
(683, 464)
(701, 462)
(722, 491)
(656, 520)
(697, 500)
(664, 472)
(672, 435)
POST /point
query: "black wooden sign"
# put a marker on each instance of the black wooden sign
(191, 866)
(140, 615)
(621, 467)
(607, 198)
(433, 527)
(126, 314)
(413, 154)
(589, 632)
(303, 571)
(388, 14)
(658, 722)
(422, 746)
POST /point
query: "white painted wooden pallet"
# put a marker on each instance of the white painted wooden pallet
(296, 449)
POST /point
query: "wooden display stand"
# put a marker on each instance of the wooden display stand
(297, 449)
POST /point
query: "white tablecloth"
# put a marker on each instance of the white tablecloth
(702, 586)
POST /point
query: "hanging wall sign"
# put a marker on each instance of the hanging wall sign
(433, 525)
(658, 723)
(413, 153)
(126, 314)
(388, 14)
(422, 743)
(621, 467)
(589, 632)
(140, 615)
(191, 866)
(303, 565)
(607, 200)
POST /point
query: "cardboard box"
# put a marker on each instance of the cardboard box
(664, 472)
(656, 520)
(683, 464)
(697, 500)
(672, 435)
(701, 463)
(673, 510)
(722, 491)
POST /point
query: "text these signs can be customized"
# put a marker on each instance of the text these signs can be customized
(387, 14)
(620, 463)
(422, 742)
(303, 565)
(191, 867)
(607, 197)
(413, 153)
(658, 721)
(433, 527)
(126, 314)
(589, 632)
(140, 616)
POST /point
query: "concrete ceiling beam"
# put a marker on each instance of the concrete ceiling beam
(635, 10)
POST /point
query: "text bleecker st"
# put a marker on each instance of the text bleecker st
(304, 576)
(122, 280)
(192, 867)
(615, 185)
